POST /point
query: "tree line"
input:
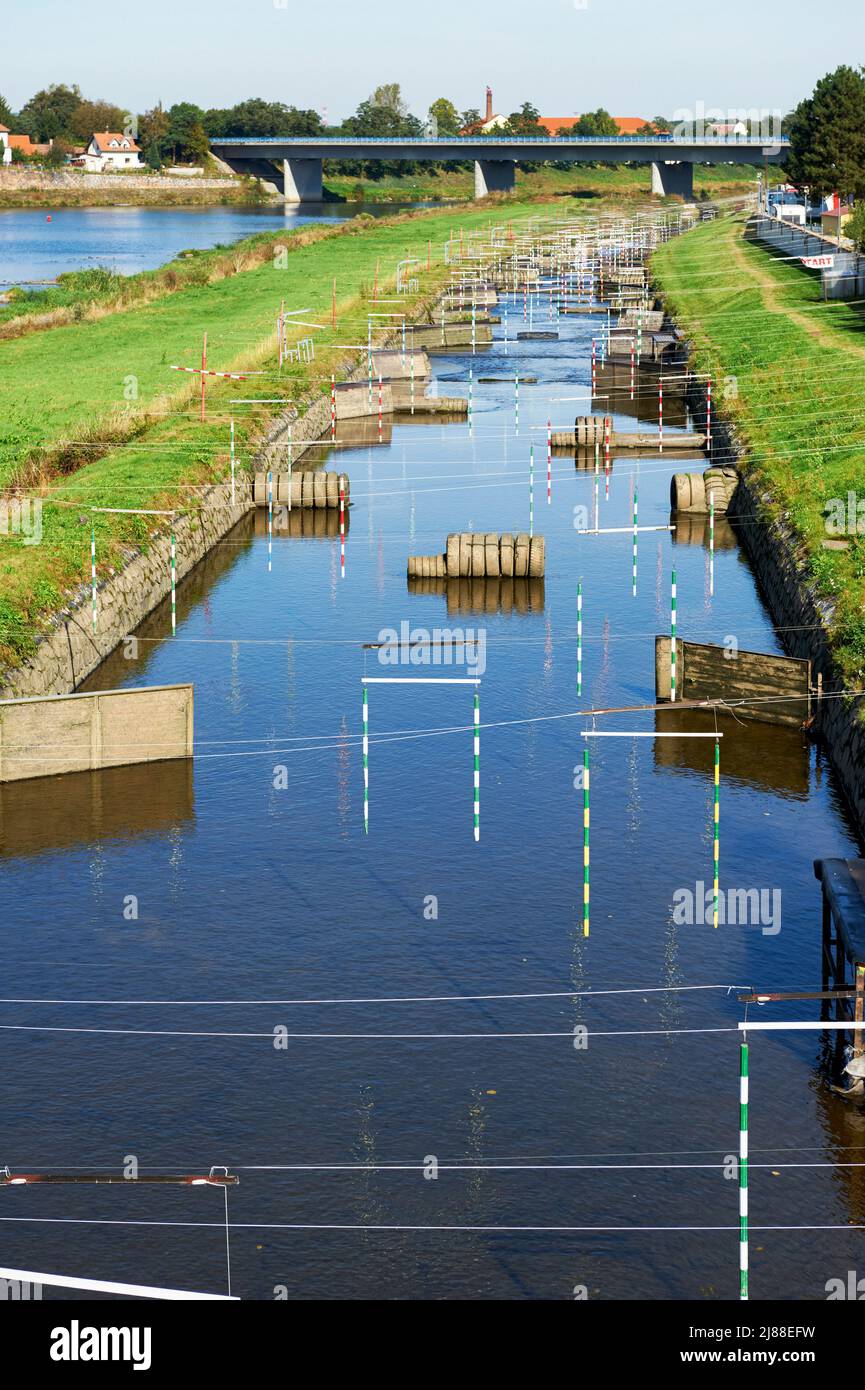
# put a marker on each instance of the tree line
(181, 133)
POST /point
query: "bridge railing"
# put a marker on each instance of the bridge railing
(489, 141)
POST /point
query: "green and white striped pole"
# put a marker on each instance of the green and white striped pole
(231, 451)
(673, 640)
(173, 585)
(93, 571)
(477, 766)
(716, 848)
(743, 1171)
(580, 638)
(634, 558)
(586, 841)
(365, 762)
(532, 491)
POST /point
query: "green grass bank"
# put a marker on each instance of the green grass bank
(789, 369)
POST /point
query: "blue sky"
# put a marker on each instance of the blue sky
(566, 56)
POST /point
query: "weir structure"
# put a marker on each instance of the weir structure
(293, 167)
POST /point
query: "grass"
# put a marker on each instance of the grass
(582, 181)
(92, 415)
(794, 373)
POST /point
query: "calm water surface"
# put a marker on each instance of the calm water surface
(247, 892)
(36, 244)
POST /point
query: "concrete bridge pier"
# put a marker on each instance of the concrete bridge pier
(494, 176)
(302, 180)
(672, 179)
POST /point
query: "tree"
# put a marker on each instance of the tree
(58, 154)
(152, 128)
(152, 157)
(389, 97)
(197, 143)
(469, 118)
(827, 136)
(6, 117)
(446, 117)
(48, 114)
(92, 116)
(855, 228)
(662, 125)
(257, 117)
(182, 117)
(598, 122)
(524, 121)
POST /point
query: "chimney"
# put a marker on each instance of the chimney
(489, 114)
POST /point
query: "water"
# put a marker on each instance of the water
(246, 892)
(129, 239)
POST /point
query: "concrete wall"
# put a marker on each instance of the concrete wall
(72, 650)
(13, 179)
(43, 737)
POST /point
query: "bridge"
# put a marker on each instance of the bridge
(293, 166)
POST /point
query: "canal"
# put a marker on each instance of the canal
(252, 880)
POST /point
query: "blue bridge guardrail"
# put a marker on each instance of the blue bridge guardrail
(688, 141)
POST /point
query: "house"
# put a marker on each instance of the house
(628, 125)
(110, 150)
(25, 145)
(5, 147)
(727, 128)
(491, 121)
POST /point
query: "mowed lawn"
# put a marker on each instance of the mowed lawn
(94, 414)
(789, 368)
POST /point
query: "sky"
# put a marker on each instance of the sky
(634, 57)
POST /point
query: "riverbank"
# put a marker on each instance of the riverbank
(94, 416)
(73, 189)
(546, 181)
(25, 188)
(793, 369)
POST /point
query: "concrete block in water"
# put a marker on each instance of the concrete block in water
(44, 736)
(353, 400)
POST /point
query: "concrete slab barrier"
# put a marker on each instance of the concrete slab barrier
(44, 736)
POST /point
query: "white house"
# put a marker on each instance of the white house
(727, 128)
(109, 150)
(5, 147)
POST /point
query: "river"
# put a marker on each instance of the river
(249, 891)
(38, 245)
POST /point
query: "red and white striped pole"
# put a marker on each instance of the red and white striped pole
(332, 407)
(380, 392)
(203, 372)
(341, 527)
(594, 369)
(660, 416)
(709, 415)
(549, 463)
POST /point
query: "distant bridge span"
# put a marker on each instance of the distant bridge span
(297, 175)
